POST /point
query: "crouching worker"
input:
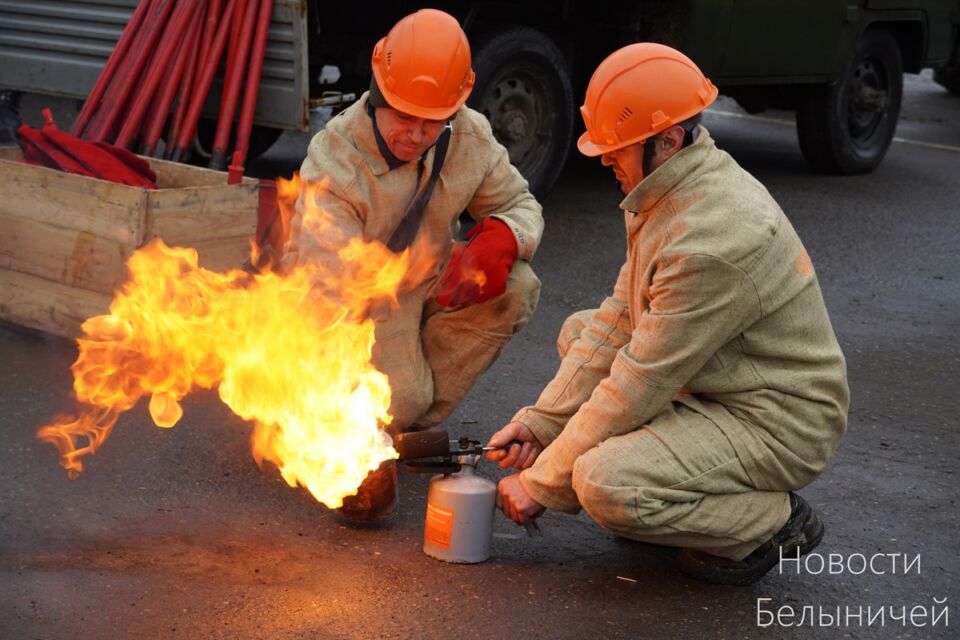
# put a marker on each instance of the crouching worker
(709, 385)
(406, 160)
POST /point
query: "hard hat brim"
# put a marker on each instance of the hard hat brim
(587, 147)
(591, 149)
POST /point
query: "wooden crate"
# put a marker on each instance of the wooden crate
(64, 238)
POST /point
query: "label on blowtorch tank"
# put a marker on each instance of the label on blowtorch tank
(439, 525)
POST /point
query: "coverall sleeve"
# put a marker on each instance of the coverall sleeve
(697, 304)
(503, 194)
(586, 362)
(325, 220)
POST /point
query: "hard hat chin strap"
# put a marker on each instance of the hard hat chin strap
(376, 98)
(649, 148)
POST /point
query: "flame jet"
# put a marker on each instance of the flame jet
(290, 352)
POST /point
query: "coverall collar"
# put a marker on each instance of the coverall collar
(365, 141)
(652, 189)
(392, 161)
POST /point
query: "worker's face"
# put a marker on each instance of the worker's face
(627, 162)
(408, 137)
(627, 165)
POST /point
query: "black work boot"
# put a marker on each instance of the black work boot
(802, 532)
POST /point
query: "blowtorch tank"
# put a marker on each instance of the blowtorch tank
(459, 524)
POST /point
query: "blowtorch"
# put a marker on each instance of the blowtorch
(460, 503)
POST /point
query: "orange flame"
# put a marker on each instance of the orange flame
(290, 352)
(474, 276)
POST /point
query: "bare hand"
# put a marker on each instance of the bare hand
(519, 456)
(515, 502)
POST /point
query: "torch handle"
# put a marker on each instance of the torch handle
(501, 447)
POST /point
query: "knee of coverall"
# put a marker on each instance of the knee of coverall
(571, 329)
(625, 494)
(601, 493)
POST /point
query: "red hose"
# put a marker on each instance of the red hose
(161, 106)
(122, 73)
(116, 99)
(113, 62)
(208, 68)
(231, 88)
(236, 25)
(197, 55)
(173, 35)
(214, 16)
(251, 92)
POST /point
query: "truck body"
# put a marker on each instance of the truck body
(837, 63)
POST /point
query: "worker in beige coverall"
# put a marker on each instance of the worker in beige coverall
(380, 156)
(709, 386)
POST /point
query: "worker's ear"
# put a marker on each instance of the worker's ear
(668, 144)
(671, 141)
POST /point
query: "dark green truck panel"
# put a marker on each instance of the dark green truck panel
(750, 42)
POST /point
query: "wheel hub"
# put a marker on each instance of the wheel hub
(514, 108)
(513, 125)
(868, 100)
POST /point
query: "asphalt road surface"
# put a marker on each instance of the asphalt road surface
(176, 533)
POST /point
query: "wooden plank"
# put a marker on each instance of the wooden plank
(68, 201)
(64, 238)
(75, 258)
(174, 175)
(197, 214)
(223, 254)
(48, 306)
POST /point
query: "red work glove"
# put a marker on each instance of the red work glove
(478, 271)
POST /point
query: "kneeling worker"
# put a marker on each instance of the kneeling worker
(709, 386)
(405, 161)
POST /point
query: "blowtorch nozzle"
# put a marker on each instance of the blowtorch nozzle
(437, 444)
(422, 444)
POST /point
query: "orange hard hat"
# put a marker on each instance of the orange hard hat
(639, 91)
(422, 67)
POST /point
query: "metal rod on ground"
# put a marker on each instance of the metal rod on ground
(116, 101)
(231, 88)
(252, 89)
(161, 106)
(209, 67)
(173, 35)
(113, 62)
(197, 55)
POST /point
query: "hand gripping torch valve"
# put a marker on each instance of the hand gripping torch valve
(460, 503)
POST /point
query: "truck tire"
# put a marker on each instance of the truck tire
(846, 127)
(523, 88)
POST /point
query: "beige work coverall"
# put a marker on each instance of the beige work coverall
(431, 355)
(710, 382)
